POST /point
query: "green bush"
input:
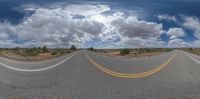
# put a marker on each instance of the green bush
(68, 51)
(45, 49)
(54, 53)
(140, 51)
(30, 52)
(73, 47)
(190, 49)
(62, 52)
(91, 48)
(147, 50)
(124, 51)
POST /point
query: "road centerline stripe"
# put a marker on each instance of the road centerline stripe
(134, 75)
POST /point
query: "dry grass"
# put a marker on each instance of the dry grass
(193, 50)
(40, 57)
(29, 56)
(135, 53)
(131, 55)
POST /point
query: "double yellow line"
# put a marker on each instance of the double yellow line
(134, 75)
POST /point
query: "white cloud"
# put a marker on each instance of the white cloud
(192, 23)
(167, 17)
(87, 10)
(138, 42)
(56, 27)
(178, 43)
(62, 26)
(133, 27)
(196, 43)
(174, 40)
(176, 32)
(138, 33)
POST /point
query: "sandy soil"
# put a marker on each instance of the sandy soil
(40, 57)
(131, 55)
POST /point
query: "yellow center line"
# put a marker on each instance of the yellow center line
(134, 75)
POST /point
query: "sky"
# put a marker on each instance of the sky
(100, 23)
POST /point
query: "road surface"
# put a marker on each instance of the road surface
(86, 75)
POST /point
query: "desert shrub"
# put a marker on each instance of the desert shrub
(68, 51)
(73, 47)
(190, 49)
(124, 51)
(140, 51)
(147, 50)
(91, 48)
(16, 48)
(168, 49)
(30, 52)
(135, 54)
(40, 49)
(45, 49)
(54, 53)
(62, 52)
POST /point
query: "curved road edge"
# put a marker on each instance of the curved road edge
(40, 69)
(191, 57)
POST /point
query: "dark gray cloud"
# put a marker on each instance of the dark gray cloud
(133, 27)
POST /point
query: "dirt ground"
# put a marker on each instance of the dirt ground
(131, 54)
(40, 57)
(197, 52)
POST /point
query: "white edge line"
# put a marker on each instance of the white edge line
(36, 70)
(193, 59)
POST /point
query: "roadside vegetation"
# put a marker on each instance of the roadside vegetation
(35, 53)
(193, 50)
(133, 53)
(124, 51)
(91, 48)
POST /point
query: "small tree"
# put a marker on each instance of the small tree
(30, 52)
(140, 51)
(45, 49)
(190, 48)
(39, 49)
(55, 53)
(17, 48)
(148, 50)
(124, 51)
(73, 47)
(91, 48)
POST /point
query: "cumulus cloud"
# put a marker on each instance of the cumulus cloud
(138, 42)
(176, 32)
(56, 27)
(78, 24)
(174, 39)
(166, 17)
(192, 23)
(87, 10)
(175, 42)
(138, 33)
(133, 27)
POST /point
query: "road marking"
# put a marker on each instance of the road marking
(193, 59)
(37, 70)
(135, 75)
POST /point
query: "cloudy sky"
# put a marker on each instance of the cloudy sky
(101, 24)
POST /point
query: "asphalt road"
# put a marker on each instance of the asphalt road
(86, 75)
